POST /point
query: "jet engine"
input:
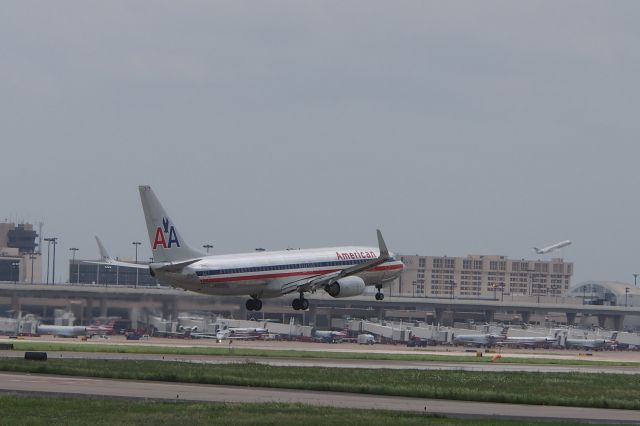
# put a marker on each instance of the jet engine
(346, 287)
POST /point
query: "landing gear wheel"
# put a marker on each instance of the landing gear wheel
(379, 294)
(297, 305)
(253, 304)
(300, 304)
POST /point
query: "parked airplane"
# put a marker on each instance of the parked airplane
(596, 344)
(330, 336)
(61, 330)
(100, 328)
(241, 333)
(479, 340)
(531, 341)
(187, 333)
(552, 247)
(340, 271)
(486, 340)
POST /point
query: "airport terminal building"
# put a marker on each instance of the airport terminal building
(609, 293)
(481, 277)
(92, 272)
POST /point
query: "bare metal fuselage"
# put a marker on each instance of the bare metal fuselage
(263, 274)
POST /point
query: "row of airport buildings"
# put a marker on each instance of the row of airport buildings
(424, 276)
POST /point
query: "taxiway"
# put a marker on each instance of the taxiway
(47, 384)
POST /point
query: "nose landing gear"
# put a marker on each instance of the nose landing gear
(379, 294)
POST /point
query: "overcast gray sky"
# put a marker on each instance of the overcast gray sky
(456, 127)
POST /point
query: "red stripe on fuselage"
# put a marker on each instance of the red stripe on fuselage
(290, 274)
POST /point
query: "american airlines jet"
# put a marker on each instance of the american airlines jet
(340, 271)
(552, 247)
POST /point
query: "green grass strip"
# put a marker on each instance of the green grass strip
(568, 389)
(34, 411)
(277, 353)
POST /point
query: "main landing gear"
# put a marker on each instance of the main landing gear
(300, 304)
(253, 304)
(379, 294)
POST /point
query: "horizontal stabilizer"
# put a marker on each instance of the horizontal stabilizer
(175, 267)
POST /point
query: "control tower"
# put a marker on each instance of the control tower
(20, 260)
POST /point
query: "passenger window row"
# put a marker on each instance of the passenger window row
(282, 267)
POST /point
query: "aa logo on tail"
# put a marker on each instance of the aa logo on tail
(165, 235)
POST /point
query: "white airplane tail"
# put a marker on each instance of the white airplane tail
(167, 244)
(104, 255)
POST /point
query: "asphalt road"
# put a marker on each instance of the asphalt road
(46, 384)
(337, 363)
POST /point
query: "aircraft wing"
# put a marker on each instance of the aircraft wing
(203, 336)
(117, 263)
(175, 266)
(105, 259)
(314, 283)
(166, 267)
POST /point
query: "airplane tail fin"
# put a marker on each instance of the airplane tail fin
(104, 256)
(167, 244)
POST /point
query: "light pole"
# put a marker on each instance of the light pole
(453, 287)
(73, 262)
(207, 246)
(136, 243)
(626, 296)
(501, 292)
(54, 240)
(32, 257)
(48, 240)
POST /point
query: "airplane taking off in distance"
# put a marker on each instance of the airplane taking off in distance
(552, 247)
(340, 271)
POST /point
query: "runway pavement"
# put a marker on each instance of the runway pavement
(338, 363)
(266, 345)
(47, 384)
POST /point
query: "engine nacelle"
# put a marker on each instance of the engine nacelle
(346, 287)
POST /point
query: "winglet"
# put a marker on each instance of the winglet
(104, 256)
(384, 252)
